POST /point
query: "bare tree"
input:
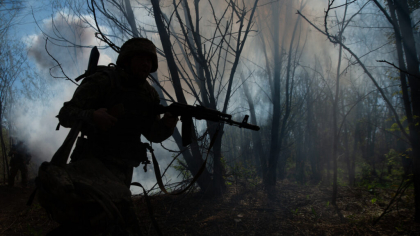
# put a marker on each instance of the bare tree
(277, 73)
(206, 68)
(12, 62)
(399, 17)
(256, 136)
(212, 83)
(404, 26)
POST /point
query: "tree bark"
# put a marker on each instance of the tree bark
(256, 136)
(289, 90)
(336, 135)
(300, 159)
(414, 83)
(356, 140)
(195, 161)
(3, 146)
(275, 124)
(130, 18)
(310, 138)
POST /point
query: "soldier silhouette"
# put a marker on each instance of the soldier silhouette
(19, 161)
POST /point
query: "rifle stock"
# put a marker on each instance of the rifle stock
(93, 63)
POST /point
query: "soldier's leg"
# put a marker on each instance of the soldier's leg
(70, 230)
(129, 214)
(131, 227)
(24, 174)
(12, 176)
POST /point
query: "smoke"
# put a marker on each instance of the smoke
(35, 120)
(67, 43)
(35, 123)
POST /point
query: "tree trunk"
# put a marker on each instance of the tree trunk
(130, 18)
(336, 135)
(401, 63)
(310, 138)
(195, 160)
(300, 159)
(200, 71)
(414, 83)
(3, 146)
(356, 140)
(275, 124)
(219, 185)
(346, 145)
(276, 158)
(288, 101)
(256, 136)
(372, 138)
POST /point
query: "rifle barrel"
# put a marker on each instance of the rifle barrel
(204, 113)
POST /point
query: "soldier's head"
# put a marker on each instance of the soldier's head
(138, 57)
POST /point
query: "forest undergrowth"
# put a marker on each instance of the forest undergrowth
(244, 210)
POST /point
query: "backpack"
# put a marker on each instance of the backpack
(81, 191)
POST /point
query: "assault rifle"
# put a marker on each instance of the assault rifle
(187, 112)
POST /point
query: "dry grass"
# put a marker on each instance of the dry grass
(295, 210)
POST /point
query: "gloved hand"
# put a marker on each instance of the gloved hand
(169, 120)
(103, 120)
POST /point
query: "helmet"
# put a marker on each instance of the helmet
(136, 46)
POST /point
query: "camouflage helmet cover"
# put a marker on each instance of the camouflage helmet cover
(138, 46)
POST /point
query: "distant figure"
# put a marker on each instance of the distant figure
(19, 161)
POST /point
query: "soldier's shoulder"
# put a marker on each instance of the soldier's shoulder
(150, 87)
(104, 77)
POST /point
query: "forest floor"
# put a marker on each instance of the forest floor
(295, 210)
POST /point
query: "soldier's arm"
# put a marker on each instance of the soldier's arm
(85, 101)
(159, 130)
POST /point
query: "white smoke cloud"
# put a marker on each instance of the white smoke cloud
(64, 32)
(35, 123)
(35, 120)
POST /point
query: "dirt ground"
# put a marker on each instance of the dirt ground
(295, 210)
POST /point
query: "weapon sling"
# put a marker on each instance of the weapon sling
(162, 187)
(159, 177)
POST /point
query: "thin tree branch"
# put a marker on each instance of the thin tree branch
(396, 67)
(58, 64)
(335, 40)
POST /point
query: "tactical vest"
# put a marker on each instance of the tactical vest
(121, 143)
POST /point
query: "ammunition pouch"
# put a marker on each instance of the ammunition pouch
(134, 154)
(118, 150)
